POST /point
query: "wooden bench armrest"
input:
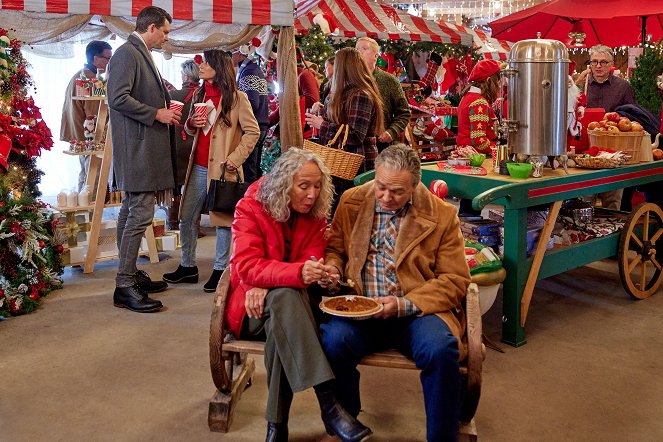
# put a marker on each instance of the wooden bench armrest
(220, 374)
(475, 354)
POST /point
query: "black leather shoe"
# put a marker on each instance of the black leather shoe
(147, 285)
(182, 274)
(338, 421)
(213, 281)
(277, 432)
(135, 299)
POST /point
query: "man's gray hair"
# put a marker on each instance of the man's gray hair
(601, 49)
(274, 191)
(191, 70)
(400, 156)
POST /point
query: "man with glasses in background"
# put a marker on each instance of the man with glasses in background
(604, 89)
(608, 92)
(75, 112)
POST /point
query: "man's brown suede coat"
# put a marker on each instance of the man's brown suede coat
(430, 250)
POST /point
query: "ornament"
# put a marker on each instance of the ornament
(255, 42)
(41, 244)
(59, 248)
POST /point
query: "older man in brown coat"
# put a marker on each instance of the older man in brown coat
(402, 246)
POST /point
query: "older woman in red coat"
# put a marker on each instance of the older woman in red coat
(279, 243)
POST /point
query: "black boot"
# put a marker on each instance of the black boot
(147, 285)
(210, 285)
(182, 274)
(277, 432)
(134, 299)
(338, 421)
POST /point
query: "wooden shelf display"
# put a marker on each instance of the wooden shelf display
(98, 173)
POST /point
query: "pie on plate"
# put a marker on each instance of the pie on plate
(356, 307)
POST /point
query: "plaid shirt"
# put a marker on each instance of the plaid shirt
(610, 94)
(379, 274)
(360, 116)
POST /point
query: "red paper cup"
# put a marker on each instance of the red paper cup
(200, 109)
(176, 105)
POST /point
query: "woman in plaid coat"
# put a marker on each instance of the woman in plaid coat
(354, 101)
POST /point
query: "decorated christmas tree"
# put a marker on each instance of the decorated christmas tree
(30, 248)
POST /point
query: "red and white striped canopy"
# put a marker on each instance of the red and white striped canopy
(359, 18)
(491, 48)
(256, 12)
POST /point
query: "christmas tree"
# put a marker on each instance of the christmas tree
(649, 66)
(30, 246)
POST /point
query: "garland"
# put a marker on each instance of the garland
(30, 246)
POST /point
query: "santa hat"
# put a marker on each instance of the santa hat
(483, 70)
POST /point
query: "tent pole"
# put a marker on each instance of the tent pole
(644, 31)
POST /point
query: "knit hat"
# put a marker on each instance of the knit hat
(483, 70)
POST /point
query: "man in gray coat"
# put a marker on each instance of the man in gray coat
(142, 132)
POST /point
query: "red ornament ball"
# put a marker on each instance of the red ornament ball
(41, 244)
(59, 249)
(255, 42)
(439, 188)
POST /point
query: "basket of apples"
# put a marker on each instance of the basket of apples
(617, 133)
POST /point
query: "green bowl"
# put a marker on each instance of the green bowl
(519, 170)
(476, 160)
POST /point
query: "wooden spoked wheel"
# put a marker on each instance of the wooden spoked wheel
(639, 264)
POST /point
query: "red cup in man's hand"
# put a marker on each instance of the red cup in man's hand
(176, 105)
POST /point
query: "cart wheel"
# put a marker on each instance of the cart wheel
(639, 265)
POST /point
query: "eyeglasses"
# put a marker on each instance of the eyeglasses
(101, 56)
(597, 62)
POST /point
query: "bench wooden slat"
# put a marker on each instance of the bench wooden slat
(387, 358)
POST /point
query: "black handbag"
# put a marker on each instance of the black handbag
(222, 195)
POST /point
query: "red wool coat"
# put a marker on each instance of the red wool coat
(258, 258)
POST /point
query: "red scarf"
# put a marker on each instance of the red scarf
(212, 92)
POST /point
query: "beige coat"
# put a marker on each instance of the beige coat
(430, 249)
(234, 143)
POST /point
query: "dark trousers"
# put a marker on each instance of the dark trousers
(426, 339)
(251, 166)
(135, 216)
(294, 359)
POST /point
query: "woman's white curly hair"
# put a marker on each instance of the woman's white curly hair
(274, 191)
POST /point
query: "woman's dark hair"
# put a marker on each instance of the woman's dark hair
(151, 15)
(222, 64)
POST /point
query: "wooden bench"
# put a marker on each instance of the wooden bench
(232, 369)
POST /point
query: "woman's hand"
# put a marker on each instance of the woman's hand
(196, 120)
(317, 108)
(390, 307)
(254, 302)
(230, 166)
(313, 270)
(314, 120)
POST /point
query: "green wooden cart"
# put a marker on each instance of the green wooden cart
(640, 271)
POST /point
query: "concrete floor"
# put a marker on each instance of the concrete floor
(79, 369)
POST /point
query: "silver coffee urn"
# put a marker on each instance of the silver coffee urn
(537, 94)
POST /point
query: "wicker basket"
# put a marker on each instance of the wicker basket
(341, 164)
(598, 163)
(628, 142)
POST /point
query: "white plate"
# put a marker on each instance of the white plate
(352, 315)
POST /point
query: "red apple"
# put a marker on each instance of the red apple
(636, 127)
(624, 124)
(657, 154)
(612, 116)
(602, 123)
(593, 125)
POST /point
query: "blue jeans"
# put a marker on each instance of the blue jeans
(135, 216)
(192, 204)
(426, 339)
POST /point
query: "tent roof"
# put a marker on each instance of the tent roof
(256, 12)
(359, 18)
